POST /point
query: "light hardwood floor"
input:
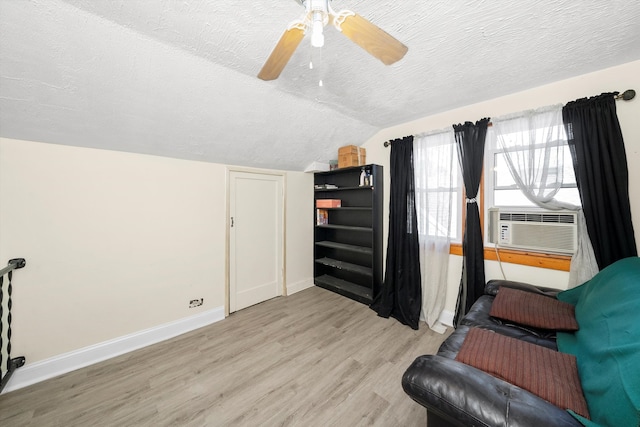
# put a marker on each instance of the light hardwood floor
(311, 359)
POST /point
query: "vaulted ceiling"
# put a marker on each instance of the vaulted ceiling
(177, 78)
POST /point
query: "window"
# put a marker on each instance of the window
(532, 143)
(532, 147)
(438, 186)
(528, 164)
(502, 190)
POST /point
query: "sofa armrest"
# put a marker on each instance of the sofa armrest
(465, 396)
(491, 288)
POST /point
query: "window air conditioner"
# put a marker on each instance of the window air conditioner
(535, 230)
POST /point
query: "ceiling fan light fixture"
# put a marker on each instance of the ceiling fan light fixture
(317, 28)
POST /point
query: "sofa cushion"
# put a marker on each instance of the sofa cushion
(478, 316)
(534, 310)
(607, 345)
(546, 373)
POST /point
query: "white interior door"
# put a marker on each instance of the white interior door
(255, 238)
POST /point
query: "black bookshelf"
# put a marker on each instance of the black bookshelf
(348, 247)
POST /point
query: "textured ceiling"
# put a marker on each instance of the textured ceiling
(177, 77)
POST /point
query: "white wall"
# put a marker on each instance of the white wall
(620, 78)
(299, 232)
(117, 243)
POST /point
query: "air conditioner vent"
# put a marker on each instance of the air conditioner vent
(567, 219)
(538, 217)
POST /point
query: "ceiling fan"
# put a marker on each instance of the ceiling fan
(318, 14)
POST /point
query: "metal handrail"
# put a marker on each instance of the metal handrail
(16, 362)
(13, 264)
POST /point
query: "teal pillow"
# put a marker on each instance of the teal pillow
(607, 345)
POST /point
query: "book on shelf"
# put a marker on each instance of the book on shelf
(328, 203)
(322, 216)
(325, 186)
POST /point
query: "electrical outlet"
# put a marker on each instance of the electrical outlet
(196, 302)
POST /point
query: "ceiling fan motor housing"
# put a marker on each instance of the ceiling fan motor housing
(321, 6)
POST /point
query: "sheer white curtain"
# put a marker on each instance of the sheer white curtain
(436, 172)
(534, 144)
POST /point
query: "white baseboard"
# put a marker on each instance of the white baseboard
(446, 318)
(67, 362)
(299, 286)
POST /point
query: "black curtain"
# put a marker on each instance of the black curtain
(470, 140)
(600, 164)
(401, 293)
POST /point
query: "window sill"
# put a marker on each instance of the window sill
(533, 259)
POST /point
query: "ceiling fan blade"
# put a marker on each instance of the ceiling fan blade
(370, 37)
(282, 53)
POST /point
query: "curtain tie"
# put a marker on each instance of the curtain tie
(474, 200)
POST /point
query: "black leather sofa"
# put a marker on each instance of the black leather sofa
(456, 394)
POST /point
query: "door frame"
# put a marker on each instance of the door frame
(283, 222)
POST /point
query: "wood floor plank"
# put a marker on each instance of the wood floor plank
(311, 359)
